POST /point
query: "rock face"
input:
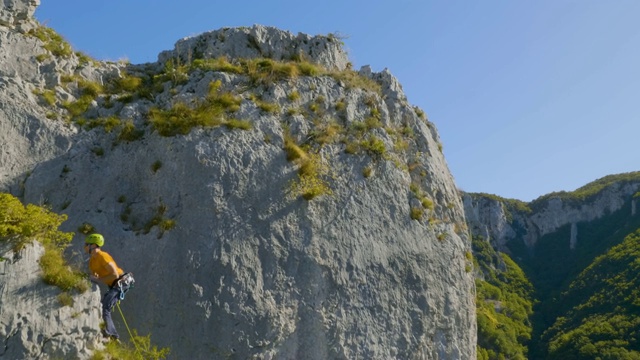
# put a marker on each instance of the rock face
(33, 323)
(492, 219)
(259, 42)
(230, 260)
(25, 138)
(17, 12)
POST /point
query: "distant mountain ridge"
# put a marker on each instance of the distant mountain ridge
(555, 239)
(502, 220)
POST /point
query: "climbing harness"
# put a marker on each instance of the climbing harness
(124, 283)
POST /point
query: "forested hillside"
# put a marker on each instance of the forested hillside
(571, 290)
(504, 304)
(601, 309)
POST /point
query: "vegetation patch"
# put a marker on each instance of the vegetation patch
(160, 221)
(264, 71)
(311, 182)
(181, 118)
(416, 213)
(140, 348)
(126, 83)
(504, 301)
(294, 95)
(420, 113)
(20, 225)
(129, 132)
(588, 191)
(53, 42)
(312, 172)
(47, 95)
(374, 146)
(237, 124)
(292, 149)
(601, 320)
(218, 64)
(65, 299)
(367, 171)
(264, 106)
(352, 79)
(107, 123)
(425, 201)
(326, 131)
(79, 106)
(156, 166)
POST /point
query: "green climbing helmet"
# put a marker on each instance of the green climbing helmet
(94, 239)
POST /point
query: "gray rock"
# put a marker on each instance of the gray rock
(489, 217)
(16, 12)
(33, 323)
(260, 42)
(249, 270)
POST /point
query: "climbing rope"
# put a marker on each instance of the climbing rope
(129, 330)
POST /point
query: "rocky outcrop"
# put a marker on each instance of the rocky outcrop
(259, 42)
(33, 322)
(499, 222)
(15, 13)
(30, 132)
(230, 260)
(26, 136)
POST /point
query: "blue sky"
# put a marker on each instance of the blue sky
(529, 97)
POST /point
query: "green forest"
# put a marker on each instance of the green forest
(557, 302)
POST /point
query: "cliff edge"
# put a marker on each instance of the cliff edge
(272, 202)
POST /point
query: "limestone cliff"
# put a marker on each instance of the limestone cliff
(501, 221)
(33, 322)
(357, 249)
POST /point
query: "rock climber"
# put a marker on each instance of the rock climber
(103, 269)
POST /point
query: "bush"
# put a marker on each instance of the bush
(294, 96)
(310, 182)
(416, 213)
(181, 118)
(219, 64)
(22, 224)
(156, 166)
(78, 107)
(327, 132)
(128, 132)
(308, 69)
(49, 96)
(292, 149)
(374, 146)
(108, 123)
(264, 71)
(52, 41)
(237, 124)
(140, 348)
(354, 80)
(126, 83)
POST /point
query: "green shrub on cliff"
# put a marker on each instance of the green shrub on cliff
(181, 117)
(140, 348)
(20, 225)
(53, 42)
